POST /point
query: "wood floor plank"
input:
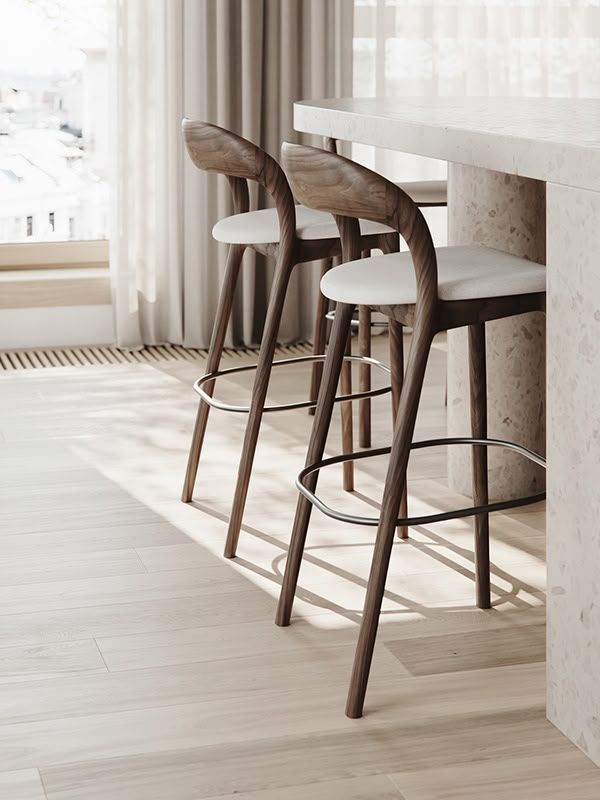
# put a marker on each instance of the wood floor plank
(454, 652)
(25, 458)
(73, 473)
(24, 784)
(523, 584)
(45, 661)
(70, 518)
(564, 775)
(345, 570)
(227, 681)
(51, 567)
(262, 764)
(216, 643)
(292, 712)
(182, 556)
(413, 556)
(138, 586)
(127, 618)
(70, 496)
(372, 787)
(24, 430)
(92, 539)
(188, 645)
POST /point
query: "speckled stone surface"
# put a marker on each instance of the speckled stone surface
(573, 521)
(506, 212)
(548, 138)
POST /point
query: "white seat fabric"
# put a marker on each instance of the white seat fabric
(261, 227)
(258, 227)
(464, 273)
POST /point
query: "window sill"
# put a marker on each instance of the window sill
(53, 255)
(35, 288)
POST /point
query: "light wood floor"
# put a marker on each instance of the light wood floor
(137, 664)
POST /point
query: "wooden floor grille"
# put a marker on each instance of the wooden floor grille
(11, 360)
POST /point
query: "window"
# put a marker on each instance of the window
(53, 124)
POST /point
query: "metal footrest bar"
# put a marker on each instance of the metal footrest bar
(214, 403)
(354, 322)
(427, 518)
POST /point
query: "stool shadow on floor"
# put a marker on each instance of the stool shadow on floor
(409, 604)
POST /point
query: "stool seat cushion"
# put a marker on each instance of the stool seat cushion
(262, 227)
(464, 273)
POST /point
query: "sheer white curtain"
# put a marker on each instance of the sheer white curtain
(490, 48)
(240, 64)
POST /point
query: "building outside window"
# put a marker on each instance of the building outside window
(53, 120)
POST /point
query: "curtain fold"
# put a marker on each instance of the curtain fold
(240, 64)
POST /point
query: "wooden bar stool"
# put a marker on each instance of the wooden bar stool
(292, 235)
(426, 194)
(430, 290)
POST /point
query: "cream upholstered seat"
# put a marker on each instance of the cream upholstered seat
(256, 227)
(464, 273)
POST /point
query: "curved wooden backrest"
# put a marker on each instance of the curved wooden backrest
(329, 182)
(216, 149)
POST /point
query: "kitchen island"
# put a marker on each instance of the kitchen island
(524, 176)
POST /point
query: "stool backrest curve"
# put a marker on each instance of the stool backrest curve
(216, 149)
(328, 182)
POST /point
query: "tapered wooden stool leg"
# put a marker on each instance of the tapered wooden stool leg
(234, 262)
(283, 273)
(319, 337)
(396, 333)
(364, 376)
(394, 481)
(316, 447)
(478, 381)
(346, 419)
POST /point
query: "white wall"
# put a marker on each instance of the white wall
(55, 327)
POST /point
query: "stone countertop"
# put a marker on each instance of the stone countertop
(551, 139)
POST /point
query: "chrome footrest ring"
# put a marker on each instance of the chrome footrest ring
(427, 518)
(354, 323)
(214, 403)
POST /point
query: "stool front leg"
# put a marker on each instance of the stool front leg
(364, 372)
(217, 343)
(283, 272)
(316, 447)
(481, 523)
(346, 419)
(394, 481)
(396, 334)
(319, 337)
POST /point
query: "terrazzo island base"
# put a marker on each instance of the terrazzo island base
(525, 177)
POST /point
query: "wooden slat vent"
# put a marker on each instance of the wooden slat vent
(11, 360)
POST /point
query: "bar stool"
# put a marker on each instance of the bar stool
(430, 290)
(292, 235)
(426, 194)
